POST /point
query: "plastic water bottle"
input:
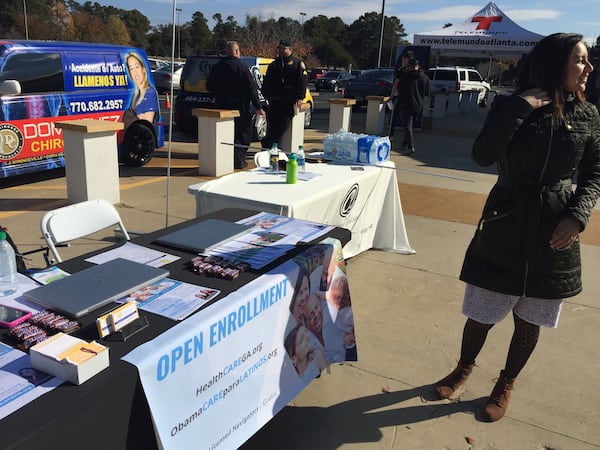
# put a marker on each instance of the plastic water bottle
(8, 267)
(291, 169)
(274, 158)
(301, 159)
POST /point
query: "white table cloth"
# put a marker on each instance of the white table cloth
(363, 199)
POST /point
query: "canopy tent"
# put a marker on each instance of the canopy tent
(488, 33)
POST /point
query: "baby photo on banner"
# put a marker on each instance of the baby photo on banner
(321, 325)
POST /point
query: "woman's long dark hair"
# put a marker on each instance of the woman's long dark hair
(545, 67)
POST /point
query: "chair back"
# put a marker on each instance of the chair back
(78, 220)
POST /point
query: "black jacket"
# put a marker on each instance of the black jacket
(285, 81)
(232, 83)
(413, 87)
(537, 156)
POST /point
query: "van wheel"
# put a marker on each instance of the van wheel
(138, 145)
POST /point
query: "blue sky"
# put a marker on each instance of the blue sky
(543, 16)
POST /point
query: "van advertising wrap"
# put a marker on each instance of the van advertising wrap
(57, 81)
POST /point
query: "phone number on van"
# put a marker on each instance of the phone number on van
(96, 105)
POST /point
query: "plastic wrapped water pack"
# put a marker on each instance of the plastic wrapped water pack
(356, 147)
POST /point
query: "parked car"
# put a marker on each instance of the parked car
(333, 81)
(314, 74)
(193, 93)
(163, 80)
(457, 79)
(156, 63)
(370, 82)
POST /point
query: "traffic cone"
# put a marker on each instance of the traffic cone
(167, 102)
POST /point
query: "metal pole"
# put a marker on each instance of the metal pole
(25, 14)
(170, 145)
(178, 34)
(381, 34)
(302, 14)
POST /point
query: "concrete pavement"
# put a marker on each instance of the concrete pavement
(406, 309)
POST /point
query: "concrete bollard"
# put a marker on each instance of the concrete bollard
(439, 105)
(216, 129)
(453, 102)
(464, 102)
(376, 106)
(91, 159)
(473, 101)
(294, 135)
(340, 114)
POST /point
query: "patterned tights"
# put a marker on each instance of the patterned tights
(524, 340)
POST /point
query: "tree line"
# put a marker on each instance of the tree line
(321, 41)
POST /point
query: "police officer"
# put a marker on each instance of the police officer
(232, 83)
(284, 86)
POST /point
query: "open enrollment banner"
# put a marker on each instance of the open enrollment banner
(214, 379)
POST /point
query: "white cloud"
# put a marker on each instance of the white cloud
(523, 15)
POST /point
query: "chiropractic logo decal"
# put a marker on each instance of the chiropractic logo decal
(349, 201)
(11, 141)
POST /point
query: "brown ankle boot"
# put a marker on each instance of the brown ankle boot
(497, 403)
(448, 385)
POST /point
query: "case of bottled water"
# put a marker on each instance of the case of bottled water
(356, 148)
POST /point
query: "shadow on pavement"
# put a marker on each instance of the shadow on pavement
(354, 421)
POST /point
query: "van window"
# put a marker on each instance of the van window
(37, 72)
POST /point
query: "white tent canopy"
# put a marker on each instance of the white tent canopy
(489, 33)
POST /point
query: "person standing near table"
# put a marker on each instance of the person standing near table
(232, 83)
(525, 255)
(284, 87)
(399, 72)
(413, 87)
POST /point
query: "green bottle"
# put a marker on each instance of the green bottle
(291, 171)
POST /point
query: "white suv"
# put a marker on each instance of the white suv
(457, 79)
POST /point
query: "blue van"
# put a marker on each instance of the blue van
(43, 82)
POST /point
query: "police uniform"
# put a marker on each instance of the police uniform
(234, 88)
(283, 85)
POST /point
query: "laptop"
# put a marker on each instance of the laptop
(203, 236)
(92, 288)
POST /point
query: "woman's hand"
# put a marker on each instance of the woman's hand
(536, 97)
(565, 233)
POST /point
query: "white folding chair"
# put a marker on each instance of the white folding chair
(262, 158)
(71, 222)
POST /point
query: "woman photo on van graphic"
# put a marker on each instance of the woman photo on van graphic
(144, 102)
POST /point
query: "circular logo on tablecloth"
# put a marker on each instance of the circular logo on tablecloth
(349, 201)
(11, 141)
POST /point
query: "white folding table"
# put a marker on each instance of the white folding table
(364, 199)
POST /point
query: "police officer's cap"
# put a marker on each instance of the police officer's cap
(284, 43)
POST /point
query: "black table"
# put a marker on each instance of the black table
(110, 410)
